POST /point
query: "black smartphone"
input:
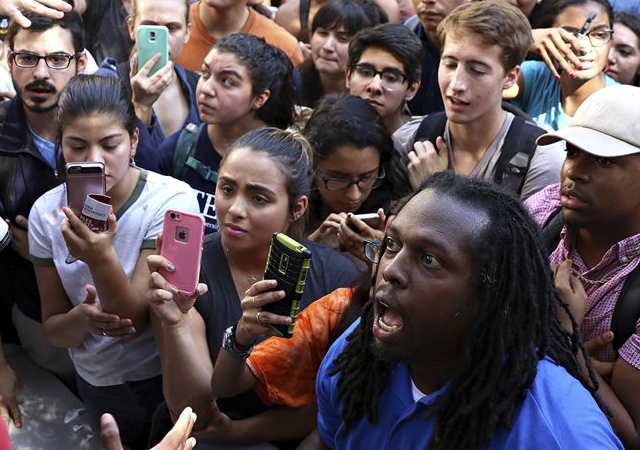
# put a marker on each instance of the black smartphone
(288, 264)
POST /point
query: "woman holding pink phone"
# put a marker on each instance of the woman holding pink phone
(95, 306)
(262, 188)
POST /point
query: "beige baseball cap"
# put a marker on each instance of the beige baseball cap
(606, 124)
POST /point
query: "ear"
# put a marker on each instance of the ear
(81, 62)
(187, 35)
(260, 99)
(7, 57)
(135, 139)
(299, 207)
(511, 78)
(348, 79)
(131, 28)
(412, 91)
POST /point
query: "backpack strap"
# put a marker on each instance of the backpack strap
(627, 310)
(551, 230)
(183, 156)
(516, 154)
(432, 126)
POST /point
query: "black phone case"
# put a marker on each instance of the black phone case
(288, 264)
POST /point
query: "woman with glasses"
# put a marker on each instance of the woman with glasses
(352, 148)
(552, 100)
(333, 27)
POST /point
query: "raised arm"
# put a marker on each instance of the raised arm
(181, 336)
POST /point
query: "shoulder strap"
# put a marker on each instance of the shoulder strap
(183, 158)
(551, 230)
(516, 153)
(431, 127)
(627, 310)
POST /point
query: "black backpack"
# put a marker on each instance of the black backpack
(627, 309)
(515, 155)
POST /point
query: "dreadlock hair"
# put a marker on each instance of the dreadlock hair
(516, 326)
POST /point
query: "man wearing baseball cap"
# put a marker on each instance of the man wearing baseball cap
(598, 198)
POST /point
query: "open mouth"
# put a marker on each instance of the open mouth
(387, 318)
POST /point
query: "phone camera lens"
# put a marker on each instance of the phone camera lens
(172, 215)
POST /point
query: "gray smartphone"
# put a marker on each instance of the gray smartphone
(83, 178)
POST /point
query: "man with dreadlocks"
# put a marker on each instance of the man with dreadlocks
(600, 239)
(460, 346)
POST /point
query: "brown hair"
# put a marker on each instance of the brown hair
(496, 23)
(134, 9)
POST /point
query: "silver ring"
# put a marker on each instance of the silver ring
(258, 318)
(104, 333)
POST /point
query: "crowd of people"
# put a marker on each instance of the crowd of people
(462, 173)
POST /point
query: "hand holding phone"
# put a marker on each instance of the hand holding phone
(151, 40)
(182, 235)
(288, 264)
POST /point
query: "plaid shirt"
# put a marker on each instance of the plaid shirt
(620, 260)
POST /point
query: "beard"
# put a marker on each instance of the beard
(38, 105)
(385, 354)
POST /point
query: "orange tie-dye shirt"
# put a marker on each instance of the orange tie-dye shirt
(287, 368)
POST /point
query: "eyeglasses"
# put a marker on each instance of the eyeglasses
(341, 184)
(389, 78)
(372, 251)
(28, 60)
(598, 38)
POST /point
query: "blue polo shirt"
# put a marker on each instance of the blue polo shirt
(556, 413)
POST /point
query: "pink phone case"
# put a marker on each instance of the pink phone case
(182, 236)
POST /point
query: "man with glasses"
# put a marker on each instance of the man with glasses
(483, 44)
(42, 59)
(384, 69)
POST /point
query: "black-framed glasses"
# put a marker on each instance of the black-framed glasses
(28, 60)
(341, 184)
(389, 78)
(372, 251)
(598, 38)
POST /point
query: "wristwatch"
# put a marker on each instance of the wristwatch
(230, 345)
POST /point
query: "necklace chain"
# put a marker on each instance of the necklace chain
(604, 280)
